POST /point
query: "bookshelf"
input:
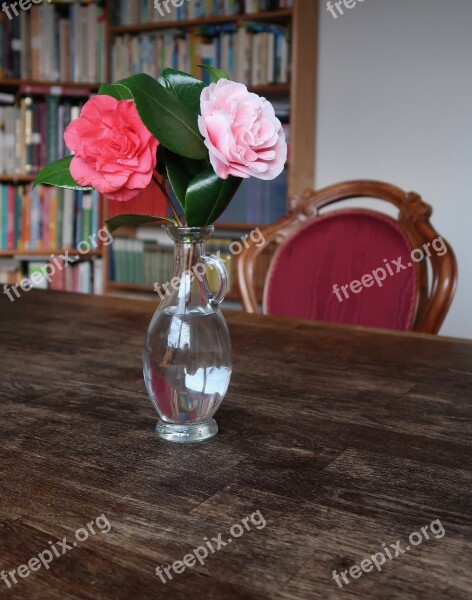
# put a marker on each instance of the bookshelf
(299, 93)
(270, 16)
(50, 65)
(86, 88)
(45, 253)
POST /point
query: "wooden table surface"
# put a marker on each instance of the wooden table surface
(340, 440)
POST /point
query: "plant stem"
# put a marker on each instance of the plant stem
(169, 201)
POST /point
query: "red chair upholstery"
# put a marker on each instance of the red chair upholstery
(335, 250)
(354, 266)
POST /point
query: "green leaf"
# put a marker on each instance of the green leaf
(167, 117)
(194, 167)
(108, 89)
(58, 173)
(183, 86)
(180, 171)
(134, 221)
(215, 74)
(208, 196)
(178, 176)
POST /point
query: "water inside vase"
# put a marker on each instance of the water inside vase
(187, 363)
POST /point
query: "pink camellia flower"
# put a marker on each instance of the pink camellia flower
(113, 151)
(241, 131)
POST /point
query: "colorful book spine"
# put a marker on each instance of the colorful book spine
(127, 12)
(47, 218)
(253, 53)
(60, 41)
(33, 133)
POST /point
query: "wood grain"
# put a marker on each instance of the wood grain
(305, 37)
(343, 438)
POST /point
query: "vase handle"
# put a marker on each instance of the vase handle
(219, 265)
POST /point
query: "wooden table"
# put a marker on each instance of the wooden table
(344, 440)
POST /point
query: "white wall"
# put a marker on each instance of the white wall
(395, 104)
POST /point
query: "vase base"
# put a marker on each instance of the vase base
(184, 434)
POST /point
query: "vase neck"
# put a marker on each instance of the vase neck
(189, 247)
(187, 256)
(190, 285)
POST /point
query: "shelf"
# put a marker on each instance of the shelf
(13, 178)
(130, 287)
(148, 289)
(14, 83)
(236, 226)
(218, 226)
(274, 16)
(270, 89)
(47, 252)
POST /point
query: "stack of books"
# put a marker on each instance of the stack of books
(255, 6)
(251, 53)
(140, 262)
(32, 134)
(145, 263)
(258, 202)
(131, 12)
(63, 41)
(84, 277)
(47, 218)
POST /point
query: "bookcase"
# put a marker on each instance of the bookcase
(269, 45)
(54, 56)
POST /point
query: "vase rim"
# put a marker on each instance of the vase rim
(190, 234)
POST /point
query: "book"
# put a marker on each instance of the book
(127, 12)
(59, 41)
(258, 202)
(32, 134)
(47, 218)
(252, 53)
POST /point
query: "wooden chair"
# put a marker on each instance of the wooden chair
(354, 266)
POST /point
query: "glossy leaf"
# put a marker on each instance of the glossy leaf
(58, 173)
(167, 117)
(208, 196)
(108, 89)
(183, 86)
(178, 176)
(134, 221)
(194, 167)
(215, 74)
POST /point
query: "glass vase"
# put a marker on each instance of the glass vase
(187, 356)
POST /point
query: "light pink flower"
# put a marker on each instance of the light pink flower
(113, 151)
(241, 131)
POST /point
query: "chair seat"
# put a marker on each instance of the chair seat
(340, 249)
